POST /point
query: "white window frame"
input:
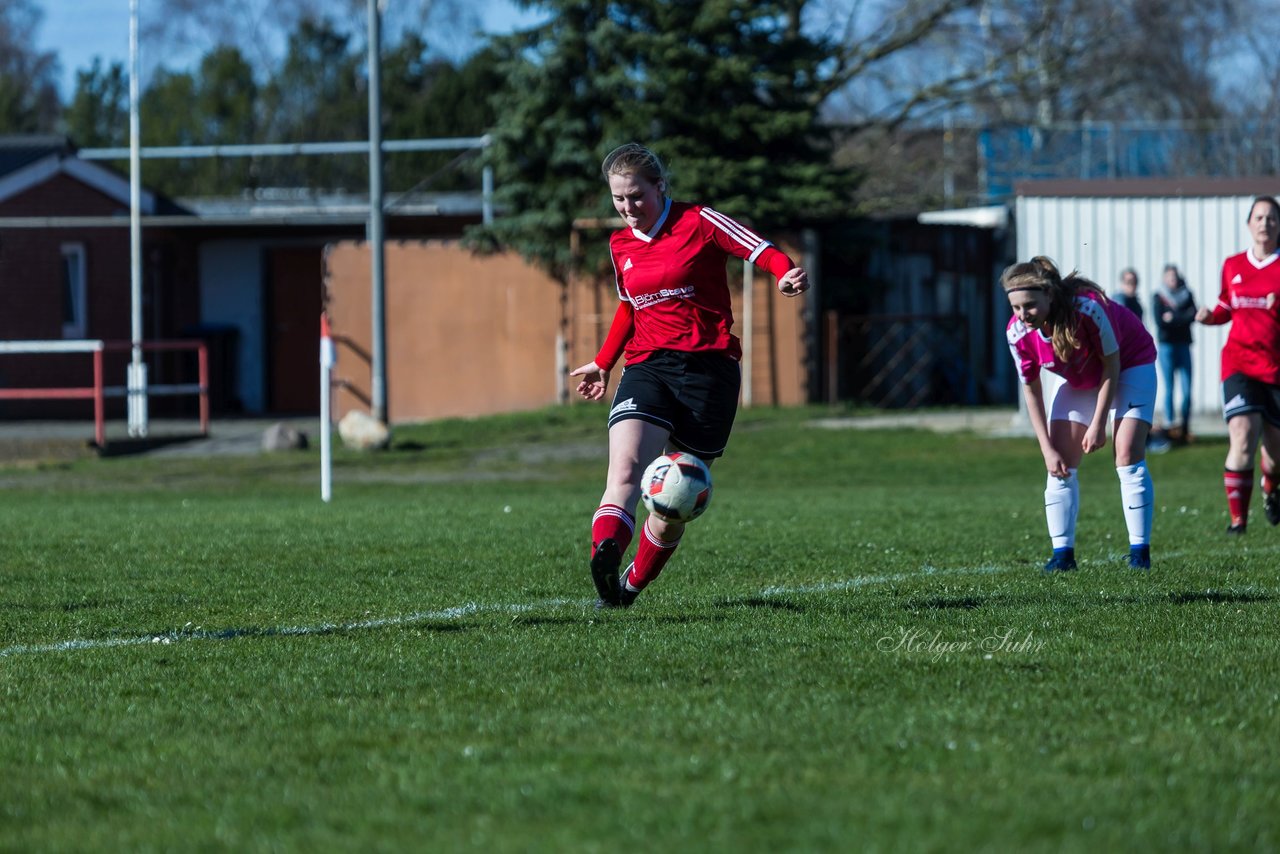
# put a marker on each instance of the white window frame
(74, 262)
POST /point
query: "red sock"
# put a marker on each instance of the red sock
(611, 521)
(651, 556)
(1268, 478)
(1239, 486)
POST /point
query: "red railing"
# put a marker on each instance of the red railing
(98, 392)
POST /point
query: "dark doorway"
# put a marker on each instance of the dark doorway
(293, 329)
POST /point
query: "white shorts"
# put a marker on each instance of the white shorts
(1135, 398)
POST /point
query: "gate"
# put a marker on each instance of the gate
(900, 361)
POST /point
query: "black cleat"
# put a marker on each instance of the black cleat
(604, 573)
(1139, 557)
(1271, 505)
(627, 596)
(1236, 530)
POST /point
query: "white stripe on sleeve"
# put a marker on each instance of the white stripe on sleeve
(739, 232)
(1098, 314)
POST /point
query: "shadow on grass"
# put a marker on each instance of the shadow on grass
(241, 632)
(1176, 597)
(1187, 597)
(129, 447)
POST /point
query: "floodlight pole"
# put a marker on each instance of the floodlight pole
(378, 360)
(137, 375)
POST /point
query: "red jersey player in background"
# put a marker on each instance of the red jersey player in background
(1107, 360)
(673, 327)
(1250, 302)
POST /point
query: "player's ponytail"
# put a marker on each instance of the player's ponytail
(1040, 273)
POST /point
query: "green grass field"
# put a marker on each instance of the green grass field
(854, 650)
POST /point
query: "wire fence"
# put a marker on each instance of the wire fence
(1091, 150)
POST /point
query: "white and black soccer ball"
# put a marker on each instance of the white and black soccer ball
(676, 487)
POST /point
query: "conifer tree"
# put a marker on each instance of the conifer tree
(728, 92)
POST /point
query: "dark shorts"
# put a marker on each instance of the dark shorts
(1243, 394)
(694, 396)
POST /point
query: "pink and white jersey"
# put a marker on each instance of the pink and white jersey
(1104, 328)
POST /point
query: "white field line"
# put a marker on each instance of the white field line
(442, 615)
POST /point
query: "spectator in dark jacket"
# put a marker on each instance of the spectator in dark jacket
(1127, 296)
(1174, 309)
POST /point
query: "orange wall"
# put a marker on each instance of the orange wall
(470, 335)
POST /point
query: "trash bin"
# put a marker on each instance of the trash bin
(223, 343)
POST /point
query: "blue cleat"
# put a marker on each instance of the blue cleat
(1140, 557)
(1063, 560)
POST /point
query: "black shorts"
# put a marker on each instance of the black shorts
(694, 396)
(1243, 394)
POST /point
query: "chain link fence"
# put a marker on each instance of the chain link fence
(1091, 150)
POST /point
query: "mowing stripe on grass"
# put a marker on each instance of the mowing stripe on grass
(444, 614)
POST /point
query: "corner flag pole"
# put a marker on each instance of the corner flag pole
(137, 371)
(377, 274)
(328, 357)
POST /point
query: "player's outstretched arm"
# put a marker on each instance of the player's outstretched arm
(594, 381)
(793, 282)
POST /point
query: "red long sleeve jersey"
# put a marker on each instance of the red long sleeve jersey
(1250, 301)
(674, 285)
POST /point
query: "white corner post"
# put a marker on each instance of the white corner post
(328, 357)
(137, 375)
(378, 357)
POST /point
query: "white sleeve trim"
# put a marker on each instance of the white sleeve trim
(753, 242)
(1097, 313)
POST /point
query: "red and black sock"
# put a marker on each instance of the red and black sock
(1239, 487)
(652, 555)
(612, 522)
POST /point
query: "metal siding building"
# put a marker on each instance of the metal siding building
(1101, 227)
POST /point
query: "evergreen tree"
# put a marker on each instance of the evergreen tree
(214, 105)
(227, 102)
(433, 99)
(319, 94)
(28, 78)
(98, 116)
(726, 91)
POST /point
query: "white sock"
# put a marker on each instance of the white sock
(1139, 498)
(1061, 504)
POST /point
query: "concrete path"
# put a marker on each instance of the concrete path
(996, 422)
(243, 436)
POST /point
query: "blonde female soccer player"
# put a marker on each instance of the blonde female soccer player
(674, 328)
(1106, 359)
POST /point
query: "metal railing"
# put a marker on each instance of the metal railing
(98, 392)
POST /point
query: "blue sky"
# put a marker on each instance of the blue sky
(79, 30)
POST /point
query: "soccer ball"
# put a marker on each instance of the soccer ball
(676, 487)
